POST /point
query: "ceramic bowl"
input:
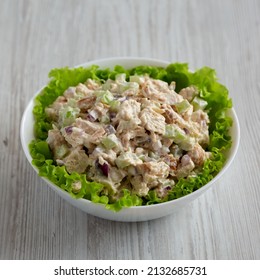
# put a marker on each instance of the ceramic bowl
(137, 213)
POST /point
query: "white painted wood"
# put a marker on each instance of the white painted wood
(36, 36)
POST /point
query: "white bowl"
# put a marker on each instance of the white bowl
(137, 213)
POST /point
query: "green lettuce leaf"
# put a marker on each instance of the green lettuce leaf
(127, 200)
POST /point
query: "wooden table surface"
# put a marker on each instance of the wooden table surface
(36, 36)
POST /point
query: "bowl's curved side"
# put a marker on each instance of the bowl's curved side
(235, 135)
(26, 129)
(137, 213)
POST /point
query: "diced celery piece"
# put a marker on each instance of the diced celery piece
(105, 119)
(121, 78)
(199, 103)
(126, 86)
(123, 85)
(133, 85)
(105, 96)
(185, 141)
(175, 133)
(153, 155)
(110, 142)
(176, 151)
(142, 157)
(114, 105)
(61, 151)
(67, 115)
(188, 143)
(108, 84)
(126, 159)
(136, 79)
(183, 106)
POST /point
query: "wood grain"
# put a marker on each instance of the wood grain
(36, 36)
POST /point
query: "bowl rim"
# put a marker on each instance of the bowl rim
(233, 149)
(121, 58)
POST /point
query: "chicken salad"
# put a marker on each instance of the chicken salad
(137, 134)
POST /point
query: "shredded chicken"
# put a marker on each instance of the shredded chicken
(185, 167)
(152, 120)
(76, 161)
(129, 110)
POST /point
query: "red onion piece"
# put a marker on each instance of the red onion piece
(69, 129)
(104, 168)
